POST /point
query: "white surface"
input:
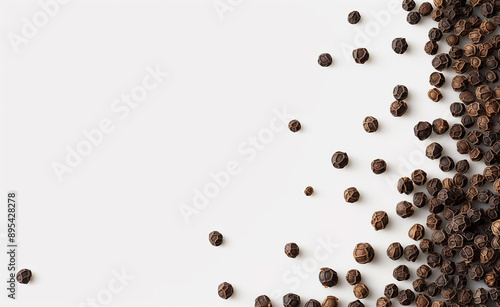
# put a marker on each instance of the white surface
(119, 209)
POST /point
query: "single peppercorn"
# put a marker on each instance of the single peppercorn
(446, 164)
(431, 47)
(354, 17)
(294, 125)
(328, 277)
(330, 301)
(425, 9)
(424, 271)
(370, 124)
(378, 166)
(24, 276)
(400, 92)
(391, 291)
(416, 232)
(434, 95)
(351, 195)
(312, 303)
(291, 300)
(441, 61)
(422, 130)
(405, 186)
(419, 199)
(413, 18)
(405, 209)
(380, 219)
(325, 59)
(440, 126)
(363, 253)
(411, 253)
(360, 55)
(340, 159)
(436, 79)
(401, 272)
(383, 302)
(399, 44)
(263, 301)
(353, 277)
(215, 238)
(292, 250)
(419, 285)
(356, 303)
(309, 191)
(360, 291)
(225, 290)
(398, 108)
(406, 297)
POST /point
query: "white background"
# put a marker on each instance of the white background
(229, 73)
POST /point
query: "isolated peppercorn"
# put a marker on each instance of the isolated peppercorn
(360, 55)
(411, 253)
(340, 159)
(446, 164)
(426, 246)
(363, 253)
(291, 300)
(328, 277)
(325, 59)
(263, 301)
(354, 17)
(309, 191)
(391, 291)
(398, 108)
(225, 290)
(292, 250)
(416, 232)
(431, 47)
(435, 95)
(405, 209)
(433, 151)
(378, 166)
(394, 251)
(380, 219)
(351, 195)
(399, 44)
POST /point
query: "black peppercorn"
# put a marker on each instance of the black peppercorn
(411, 253)
(215, 238)
(24, 276)
(360, 291)
(422, 130)
(225, 290)
(354, 17)
(391, 291)
(378, 166)
(416, 232)
(360, 55)
(340, 159)
(398, 108)
(406, 297)
(363, 253)
(292, 250)
(263, 301)
(446, 164)
(353, 277)
(294, 125)
(328, 277)
(325, 59)
(312, 303)
(424, 271)
(380, 219)
(405, 185)
(291, 300)
(405, 209)
(370, 124)
(433, 151)
(401, 273)
(351, 195)
(309, 191)
(399, 44)
(440, 126)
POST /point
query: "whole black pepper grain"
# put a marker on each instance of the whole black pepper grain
(399, 44)
(398, 108)
(294, 125)
(440, 126)
(401, 272)
(263, 301)
(391, 291)
(394, 251)
(422, 130)
(353, 277)
(360, 55)
(380, 219)
(363, 253)
(328, 277)
(411, 253)
(413, 18)
(24, 276)
(405, 209)
(309, 191)
(215, 238)
(378, 166)
(406, 297)
(312, 303)
(354, 17)
(225, 290)
(360, 291)
(292, 250)
(291, 300)
(325, 59)
(340, 159)
(351, 195)
(405, 186)
(370, 124)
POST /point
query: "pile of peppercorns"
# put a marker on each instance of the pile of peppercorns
(464, 218)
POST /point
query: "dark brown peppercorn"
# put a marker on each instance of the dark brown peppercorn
(416, 232)
(383, 302)
(446, 164)
(468, 254)
(467, 97)
(413, 18)
(353, 277)
(292, 250)
(434, 260)
(330, 301)
(405, 209)
(436, 79)
(391, 291)
(378, 166)
(312, 303)
(309, 191)
(356, 303)
(434, 186)
(433, 290)
(263, 301)
(439, 237)
(457, 109)
(294, 125)
(399, 44)
(351, 195)
(400, 92)
(325, 59)
(408, 5)
(434, 95)
(406, 297)
(328, 277)
(463, 147)
(459, 83)
(476, 154)
(360, 55)
(215, 238)
(434, 222)
(448, 267)
(460, 180)
(225, 290)
(475, 109)
(457, 132)
(453, 40)
(370, 124)
(419, 285)
(394, 251)
(419, 199)
(431, 48)
(363, 253)
(422, 130)
(291, 300)
(441, 61)
(398, 108)
(424, 271)
(437, 15)
(401, 273)
(426, 246)
(24, 276)
(340, 159)
(419, 177)
(448, 293)
(480, 296)
(354, 17)
(360, 291)
(433, 151)
(440, 126)
(435, 34)
(380, 219)
(405, 185)
(411, 253)
(425, 9)
(462, 267)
